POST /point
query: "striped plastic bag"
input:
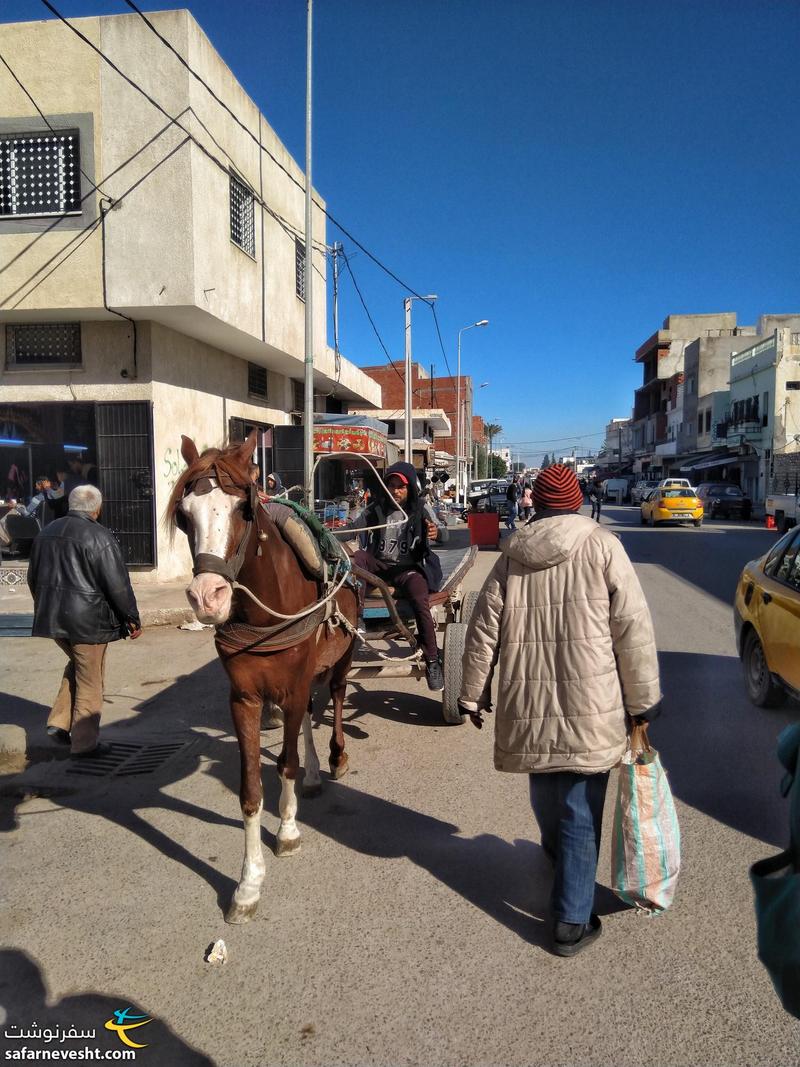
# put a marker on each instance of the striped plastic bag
(646, 839)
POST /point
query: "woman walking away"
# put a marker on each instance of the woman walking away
(526, 502)
(564, 617)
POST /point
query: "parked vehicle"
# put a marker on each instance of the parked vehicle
(676, 483)
(640, 489)
(767, 621)
(615, 490)
(493, 501)
(784, 507)
(671, 505)
(724, 500)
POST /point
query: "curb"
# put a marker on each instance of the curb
(165, 616)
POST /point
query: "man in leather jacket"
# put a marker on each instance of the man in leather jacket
(83, 600)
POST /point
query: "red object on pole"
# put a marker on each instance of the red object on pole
(769, 522)
(484, 529)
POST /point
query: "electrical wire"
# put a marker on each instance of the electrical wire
(432, 306)
(369, 316)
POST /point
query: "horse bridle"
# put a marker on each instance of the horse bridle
(208, 562)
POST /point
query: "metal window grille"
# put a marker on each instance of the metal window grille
(243, 227)
(42, 344)
(300, 268)
(40, 174)
(257, 381)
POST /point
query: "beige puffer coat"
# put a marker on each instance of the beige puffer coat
(563, 617)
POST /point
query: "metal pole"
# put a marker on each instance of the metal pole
(308, 407)
(458, 421)
(408, 454)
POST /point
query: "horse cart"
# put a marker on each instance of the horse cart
(389, 649)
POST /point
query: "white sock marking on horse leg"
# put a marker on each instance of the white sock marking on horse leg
(311, 761)
(287, 805)
(253, 869)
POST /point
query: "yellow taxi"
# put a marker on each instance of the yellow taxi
(671, 504)
(767, 619)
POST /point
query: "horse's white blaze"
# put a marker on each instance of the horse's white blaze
(287, 805)
(210, 515)
(311, 761)
(253, 869)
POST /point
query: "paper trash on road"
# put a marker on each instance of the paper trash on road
(195, 624)
(218, 953)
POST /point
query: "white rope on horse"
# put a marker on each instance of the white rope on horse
(299, 614)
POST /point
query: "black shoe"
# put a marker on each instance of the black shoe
(571, 938)
(102, 748)
(61, 737)
(433, 672)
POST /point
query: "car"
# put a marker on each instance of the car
(767, 623)
(495, 500)
(724, 499)
(675, 483)
(671, 505)
(639, 490)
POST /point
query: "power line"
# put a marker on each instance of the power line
(558, 440)
(371, 320)
(439, 335)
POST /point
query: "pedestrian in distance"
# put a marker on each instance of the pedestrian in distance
(564, 619)
(513, 494)
(596, 496)
(526, 502)
(83, 600)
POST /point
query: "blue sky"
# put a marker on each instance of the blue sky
(572, 170)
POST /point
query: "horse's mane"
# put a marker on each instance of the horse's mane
(202, 465)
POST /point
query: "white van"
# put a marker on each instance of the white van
(615, 490)
(676, 483)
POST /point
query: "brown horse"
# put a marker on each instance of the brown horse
(236, 547)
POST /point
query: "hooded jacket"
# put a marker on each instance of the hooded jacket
(563, 618)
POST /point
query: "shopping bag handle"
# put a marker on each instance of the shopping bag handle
(639, 741)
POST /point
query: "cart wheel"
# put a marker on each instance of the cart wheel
(454, 635)
(468, 606)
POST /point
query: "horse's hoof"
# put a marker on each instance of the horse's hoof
(240, 913)
(340, 769)
(287, 848)
(311, 791)
(274, 722)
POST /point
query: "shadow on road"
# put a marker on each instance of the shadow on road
(718, 748)
(24, 997)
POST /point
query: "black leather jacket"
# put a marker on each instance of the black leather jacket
(81, 590)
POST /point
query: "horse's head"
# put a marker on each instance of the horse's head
(213, 503)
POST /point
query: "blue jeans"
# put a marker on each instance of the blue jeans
(569, 810)
(513, 510)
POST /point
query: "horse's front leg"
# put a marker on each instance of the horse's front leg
(246, 712)
(312, 784)
(288, 838)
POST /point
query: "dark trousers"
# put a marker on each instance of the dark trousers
(569, 810)
(596, 503)
(412, 586)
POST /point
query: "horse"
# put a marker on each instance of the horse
(244, 570)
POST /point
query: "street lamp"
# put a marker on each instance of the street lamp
(481, 322)
(409, 456)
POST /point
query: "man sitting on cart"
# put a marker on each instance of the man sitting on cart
(398, 551)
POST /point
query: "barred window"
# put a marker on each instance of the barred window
(243, 227)
(40, 174)
(300, 268)
(257, 381)
(43, 344)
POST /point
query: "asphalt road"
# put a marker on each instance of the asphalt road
(411, 927)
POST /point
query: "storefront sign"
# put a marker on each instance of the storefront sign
(358, 439)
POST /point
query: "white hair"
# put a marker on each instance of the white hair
(85, 498)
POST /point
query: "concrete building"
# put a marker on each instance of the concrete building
(764, 412)
(706, 368)
(617, 447)
(153, 276)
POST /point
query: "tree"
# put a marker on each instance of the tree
(497, 467)
(481, 467)
(492, 429)
(546, 461)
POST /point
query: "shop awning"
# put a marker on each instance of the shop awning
(722, 459)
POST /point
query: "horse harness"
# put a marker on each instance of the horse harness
(233, 638)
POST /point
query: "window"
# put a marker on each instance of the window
(44, 344)
(243, 227)
(298, 396)
(391, 427)
(708, 421)
(300, 268)
(777, 551)
(765, 416)
(792, 385)
(257, 381)
(40, 174)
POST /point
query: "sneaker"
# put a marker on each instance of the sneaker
(571, 938)
(433, 672)
(61, 737)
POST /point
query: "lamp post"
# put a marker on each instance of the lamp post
(481, 322)
(409, 456)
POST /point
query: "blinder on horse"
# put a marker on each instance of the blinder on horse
(207, 562)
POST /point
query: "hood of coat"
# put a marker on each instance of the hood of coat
(547, 542)
(410, 475)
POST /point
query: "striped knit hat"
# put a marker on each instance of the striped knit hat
(556, 489)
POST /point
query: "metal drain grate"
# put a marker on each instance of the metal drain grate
(126, 758)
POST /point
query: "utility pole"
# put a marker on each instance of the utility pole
(337, 249)
(308, 407)
(408, 453)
